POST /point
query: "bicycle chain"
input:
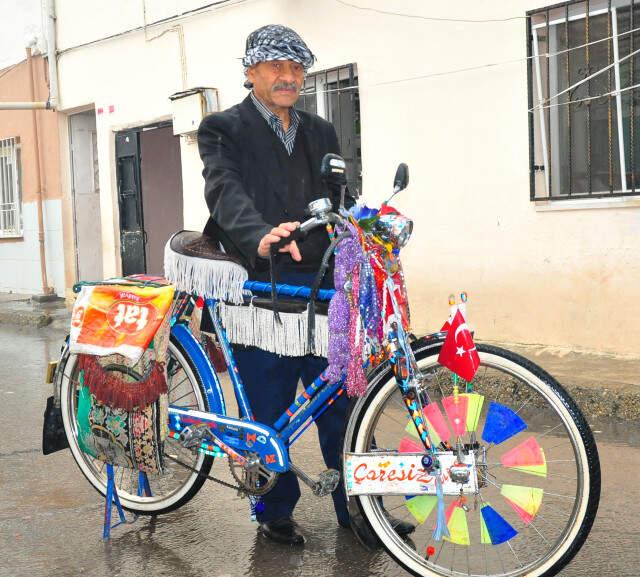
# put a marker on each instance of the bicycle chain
(238, 488)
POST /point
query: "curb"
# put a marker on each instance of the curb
(32, 318)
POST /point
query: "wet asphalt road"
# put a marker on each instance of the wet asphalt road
(51, 519)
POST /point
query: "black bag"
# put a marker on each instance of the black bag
(53, 436)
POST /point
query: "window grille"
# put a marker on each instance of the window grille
(10, 216)
(333, 94)
(584, 83)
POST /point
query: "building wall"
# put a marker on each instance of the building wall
(565, 276)
(20, 257)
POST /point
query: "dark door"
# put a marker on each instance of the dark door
(161, 177)
(130, 203)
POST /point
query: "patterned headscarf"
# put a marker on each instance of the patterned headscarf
(276, 42)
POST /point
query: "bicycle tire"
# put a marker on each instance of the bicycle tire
(163, 499)
(546, 400)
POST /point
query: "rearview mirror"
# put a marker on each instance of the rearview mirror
(401, 179)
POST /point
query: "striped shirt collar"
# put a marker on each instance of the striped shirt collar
(288, 138)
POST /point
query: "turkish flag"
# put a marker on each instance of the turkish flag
(459, 352)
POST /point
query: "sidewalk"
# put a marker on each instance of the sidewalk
(21, 309)
(602, 385)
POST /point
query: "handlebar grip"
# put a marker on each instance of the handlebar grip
(297, 234)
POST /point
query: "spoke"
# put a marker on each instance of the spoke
(531, 524)
(439, 551)
(174, 387)
(523, 406)
(453, 556)
(394, 420)
(547, 449)
(182, 397)
(549, 431)
(494, 464)
(560, 496)
(514, 554)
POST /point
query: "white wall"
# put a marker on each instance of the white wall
(567, 277)
(20, 260)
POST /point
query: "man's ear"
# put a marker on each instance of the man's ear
(251, 74)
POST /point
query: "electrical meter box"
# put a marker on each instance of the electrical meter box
(190, 107)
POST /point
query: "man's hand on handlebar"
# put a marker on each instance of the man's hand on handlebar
(277, 234)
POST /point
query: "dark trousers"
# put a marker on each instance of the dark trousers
(270, 382)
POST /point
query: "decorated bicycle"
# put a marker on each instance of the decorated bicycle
(484, 451)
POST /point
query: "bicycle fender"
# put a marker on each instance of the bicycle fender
(207, 372)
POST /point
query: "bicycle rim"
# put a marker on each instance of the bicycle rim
(539, 488)
(177, 484)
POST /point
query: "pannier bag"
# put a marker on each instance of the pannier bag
(120, 333)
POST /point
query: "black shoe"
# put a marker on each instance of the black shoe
(401, 527)
(282, 531)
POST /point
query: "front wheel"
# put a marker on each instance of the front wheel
(177, 484)
(535, 460)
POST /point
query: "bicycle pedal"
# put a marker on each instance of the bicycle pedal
(327, 482)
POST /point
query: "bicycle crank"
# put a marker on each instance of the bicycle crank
(326, 483)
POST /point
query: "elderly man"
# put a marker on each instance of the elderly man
(261, 168)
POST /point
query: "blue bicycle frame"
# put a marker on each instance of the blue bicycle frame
(233, 436)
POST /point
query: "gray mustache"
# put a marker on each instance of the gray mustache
(285, 86)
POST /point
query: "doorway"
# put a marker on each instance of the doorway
(85, 190)
(149, 195)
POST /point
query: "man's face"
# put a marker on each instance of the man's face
(277, 83)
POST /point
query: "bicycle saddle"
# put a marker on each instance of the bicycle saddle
(192, 243)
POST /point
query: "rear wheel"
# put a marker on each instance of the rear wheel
(536, 465)
(177, 484)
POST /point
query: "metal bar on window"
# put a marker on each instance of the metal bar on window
(588, 103)
(542, 114)
(339, 97)
(620, 121)
(632, 101)
(5, 185)
(2, 189)
(327, 99)
(609, 102)
(549, 166)
(569, 106)
(532, 181)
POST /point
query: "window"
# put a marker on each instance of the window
(333, 95)
(584, 71)
(10, 217)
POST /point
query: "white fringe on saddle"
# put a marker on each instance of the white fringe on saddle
(216, 279)
(257, 327)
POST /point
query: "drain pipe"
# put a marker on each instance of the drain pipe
(46, 289)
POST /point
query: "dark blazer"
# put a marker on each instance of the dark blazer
(246, 186)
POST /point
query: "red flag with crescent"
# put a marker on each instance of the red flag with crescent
(459, 352)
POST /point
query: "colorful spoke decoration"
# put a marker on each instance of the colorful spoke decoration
(474, 409)
(457, 524)
(527, 457)
(421, 506)
(525, 501)
(502, 423)
(408, 445)
(494, 529)
(436, 423)
(456, 407)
